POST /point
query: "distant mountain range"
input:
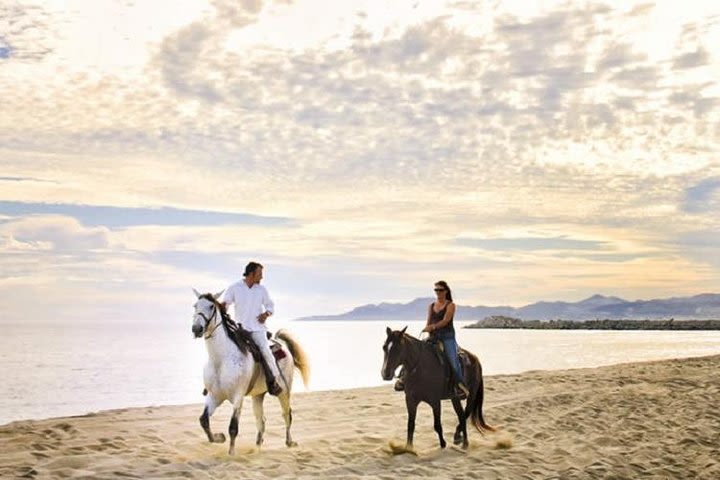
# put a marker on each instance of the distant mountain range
(598, 306)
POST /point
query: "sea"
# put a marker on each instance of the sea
(51, 370)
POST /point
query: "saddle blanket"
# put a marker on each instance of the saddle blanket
(278, 351)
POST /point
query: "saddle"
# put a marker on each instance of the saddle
(243, 339)
(439, 350)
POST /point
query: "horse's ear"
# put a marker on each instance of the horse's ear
(388, 331)
(217, 295)
(197, 294)
(403, 330)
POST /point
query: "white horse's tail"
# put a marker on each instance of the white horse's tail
(299, 356)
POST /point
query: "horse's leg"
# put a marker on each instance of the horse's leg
(411, 405)
(437, 422)
(284, 399)
(210, 405)
(461, 430)
(233, 428)
(259, 417)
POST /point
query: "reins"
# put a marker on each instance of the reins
(412, 368)
(217, 324)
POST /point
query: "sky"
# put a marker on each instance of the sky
(360, 150)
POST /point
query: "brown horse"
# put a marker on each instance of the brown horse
(426, 380)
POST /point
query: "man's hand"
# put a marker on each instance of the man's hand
(263, 316)
(428, 328)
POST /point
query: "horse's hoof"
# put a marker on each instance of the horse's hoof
(465, 445)
(231, 451)
(218, 438)
(443, 444)
(291, 444)
(457, 440)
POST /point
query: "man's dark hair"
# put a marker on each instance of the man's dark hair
(250, 268)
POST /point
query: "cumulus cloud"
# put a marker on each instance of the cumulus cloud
(53, 232)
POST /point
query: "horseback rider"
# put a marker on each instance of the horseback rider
(439, 326)
(253, 306)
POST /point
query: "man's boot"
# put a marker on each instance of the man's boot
(273, 387)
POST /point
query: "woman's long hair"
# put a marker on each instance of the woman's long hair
(448, 292)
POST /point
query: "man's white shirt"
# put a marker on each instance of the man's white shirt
(249, 303)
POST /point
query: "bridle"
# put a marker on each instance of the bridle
(208, 333)
(408, 353)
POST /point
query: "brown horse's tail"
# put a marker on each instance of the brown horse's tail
(475, 408)
(299, 356)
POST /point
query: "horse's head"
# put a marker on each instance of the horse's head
(206, 310)
(394, 349)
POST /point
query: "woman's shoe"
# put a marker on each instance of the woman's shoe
(461, 391)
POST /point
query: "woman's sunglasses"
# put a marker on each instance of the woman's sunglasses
(439, 289)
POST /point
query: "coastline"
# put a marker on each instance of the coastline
(501, 322)
(653, 418)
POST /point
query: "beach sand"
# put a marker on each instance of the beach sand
(642, 420)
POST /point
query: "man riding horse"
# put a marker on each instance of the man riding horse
(253, 306)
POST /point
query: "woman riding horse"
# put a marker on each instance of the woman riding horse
(440, 327)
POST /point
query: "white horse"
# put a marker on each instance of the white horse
(232, 374)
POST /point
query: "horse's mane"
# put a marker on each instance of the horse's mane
(210, 298)
(230, 326)
(414, 340)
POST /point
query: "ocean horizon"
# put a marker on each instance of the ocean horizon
(60, 370)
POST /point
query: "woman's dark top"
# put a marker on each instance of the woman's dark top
(436, 317)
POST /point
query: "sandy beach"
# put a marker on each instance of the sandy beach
(641, 420)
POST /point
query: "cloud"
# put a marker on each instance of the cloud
(610, 257)
(642, 10)
(694, 59)
(238, 13)
(379, 144)
(187, 56)
(619, 56)
(183, 55)
(53, 232)
(315, 116)
(21, 179)
(533, 243)
(27, 32)
(703, 246)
